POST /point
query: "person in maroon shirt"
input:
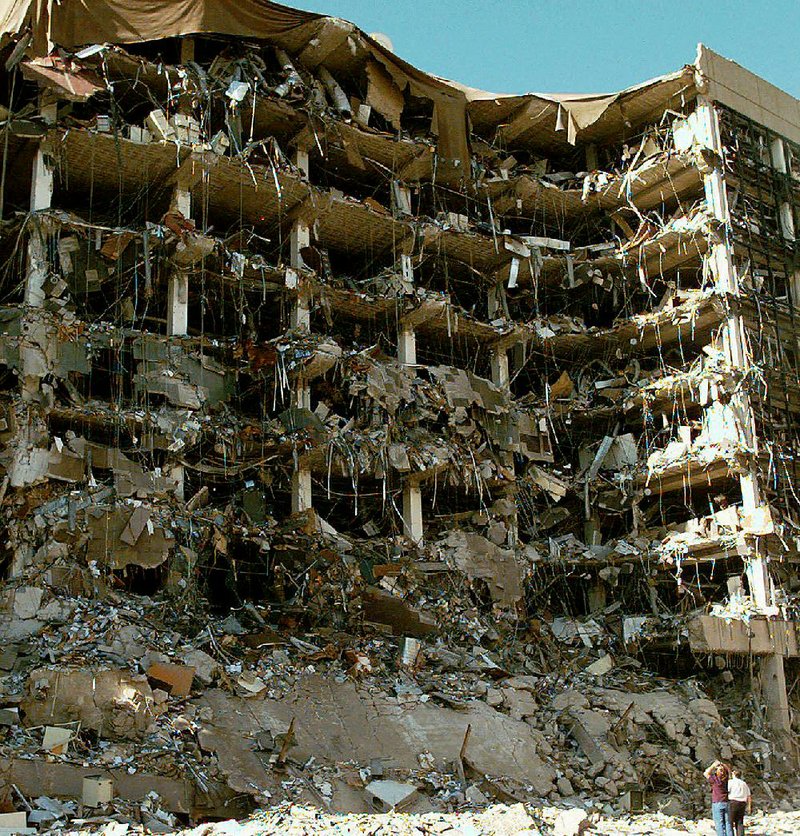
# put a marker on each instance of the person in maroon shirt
(717, 776)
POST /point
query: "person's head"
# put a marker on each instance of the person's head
(721, 772)
(735, 773)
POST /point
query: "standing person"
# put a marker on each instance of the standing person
(739, 800)
(717, 777)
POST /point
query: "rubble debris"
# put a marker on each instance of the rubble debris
(97, 791)
(389, 795)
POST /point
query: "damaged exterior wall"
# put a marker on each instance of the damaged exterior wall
(293, 329)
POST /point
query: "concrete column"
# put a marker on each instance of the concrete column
(301, 489)
(41, 182)
(300, 319)
(300, 316)
(760, 582)
(37, 267)
(178, 287)
(786, 216)
(500, 370)
(407, 267)
(37, 263)
(412, 511)
(178, 304)
(302, 499)
(407, 346)
(300, 235)
(299, 238)
(772, 680)
(177, 473)
(401, 199)
(302, 395)
(726, 280)
(493, 302)
(779, 163)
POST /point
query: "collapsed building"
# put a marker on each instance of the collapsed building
(295, 329)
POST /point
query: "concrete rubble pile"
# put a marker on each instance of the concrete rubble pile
(370, 443)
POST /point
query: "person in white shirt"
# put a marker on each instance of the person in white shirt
(739, 801)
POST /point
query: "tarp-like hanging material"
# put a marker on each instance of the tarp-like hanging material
(74, 23)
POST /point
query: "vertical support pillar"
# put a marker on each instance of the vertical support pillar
(301, 489)
(302, 394)
(412, 511)
(41, 181)
(300, 316)
(300, 319)
(501, 376)
(401, 199)
(407, 345)
(299, 239)
(493, 302)
(772, 684)
(302, 499)
(726, 280)
(777, 151)
(177, 473)
(178, 304)
(178, 286)
(37, 269)
(407, 267)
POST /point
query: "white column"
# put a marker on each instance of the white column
(41, 182)
(412, 511)
(302, 395)
(300, 319)
(733, 339)
(37, 267)
(401, 198)
(177, 473)
(407, 267)
(300, 316)
(178, 287)
(778, 156)
(407, 345)
(772, 674)
(178, 304)
(299, 239)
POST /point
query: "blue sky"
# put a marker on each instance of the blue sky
(578, 46)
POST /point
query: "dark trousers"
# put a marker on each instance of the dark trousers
(737, 809)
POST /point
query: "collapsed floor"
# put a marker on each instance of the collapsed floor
(366, 441)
